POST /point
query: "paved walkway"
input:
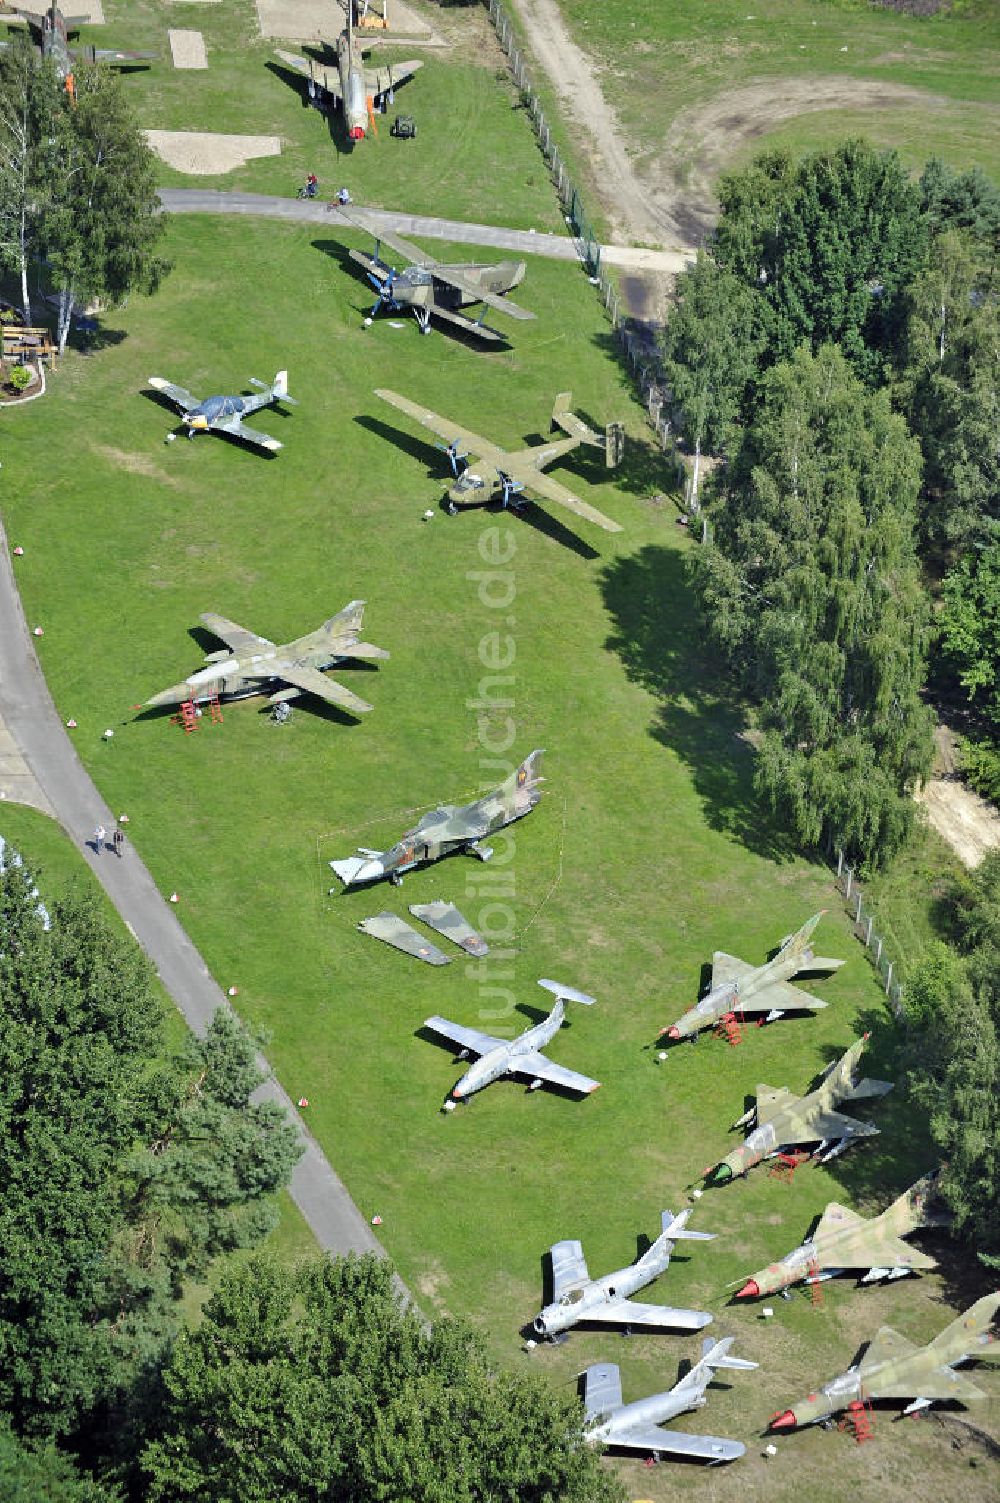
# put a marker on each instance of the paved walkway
(36, 746)
(315, 211)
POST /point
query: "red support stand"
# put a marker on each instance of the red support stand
(859, 1420)
(730, 1028)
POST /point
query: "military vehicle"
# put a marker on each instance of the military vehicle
(783, 1120)
(741, 988)
(226, 414)
(344, 79)
(609, 1422)
(511, 474)
(53, 30)
(846, 1242)
(577, 1297)
(893, 1368)
(252, 664)
(520, 1056)
(450, 828)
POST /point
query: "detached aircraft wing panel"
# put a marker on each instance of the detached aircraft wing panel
(678, 1443)
(314, 682)
(179, 395)
(569, 1268)
(466, 1038)
(539, 1068)
(443, 427)
(236, 637)
(521, 468)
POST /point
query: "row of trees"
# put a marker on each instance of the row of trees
(838, 346)
(77, 186)
(126, 1170)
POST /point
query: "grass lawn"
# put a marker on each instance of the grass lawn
(646, 853)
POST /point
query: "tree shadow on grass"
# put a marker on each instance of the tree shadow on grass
(660, 638)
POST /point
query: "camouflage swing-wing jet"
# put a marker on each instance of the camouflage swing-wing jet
(739, 987)
(577, 1297)
(429, 287)
(520, 1056)
(844, 1241)
(53, 31)
(253, 665)
(352, 87)
(226, 414)
(518, 472)
(893, 1368)
(783, 1120)
(607, 1421)
(450, 828)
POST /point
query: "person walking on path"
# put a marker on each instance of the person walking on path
(100, 835)
(118, 841)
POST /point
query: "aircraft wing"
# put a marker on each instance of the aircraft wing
(443, 427)
(728, 968)
(886, 1346)
(543, 485)
(114, 55)
(569, 1268)
(940, 1383)
(379, 81)
(781, 994)
(404, 248)
(327, 79)
(501, 302)
(252, 435)
(539, 1068)
(314, 682)
(630, 1312)
(602, 1389)
(470, 325)
(181, 397)
(771, 1100)
(865, 1246)
(677, 1443)
(466, 1038)
(236, 637)
(835, 1125)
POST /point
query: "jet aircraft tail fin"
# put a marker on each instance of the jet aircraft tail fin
(912, 1209)
(674, 1229)
(714, 1355)
(968, 1331)
(796, 943)
(524, 778)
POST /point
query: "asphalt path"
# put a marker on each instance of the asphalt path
(29, 718)
(357, 216)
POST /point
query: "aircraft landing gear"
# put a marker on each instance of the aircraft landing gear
(423, 320)
(451, 508)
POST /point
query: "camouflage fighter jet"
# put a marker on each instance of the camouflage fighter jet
(738, 987)
(520, 1056)
(450, 828)
(577, 1297)
(844, 1240)
(53, 30)
(607, 1421)
(251, 664)
(783, 1120)
(893, 1368)
(359, 91)
(441, 288)
(517, 473)
(226, 414)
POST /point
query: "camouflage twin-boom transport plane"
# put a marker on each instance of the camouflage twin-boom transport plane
(252, 665)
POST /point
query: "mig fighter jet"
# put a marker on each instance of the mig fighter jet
(577, 1297)
(52, 31)
(450, 828)
(347, 82)
(607, 1421)
(520, 1056)
(226, 414)
(783, 1120)
(739, 987)
(253, 665)
(843, 1241)
(893, 1368)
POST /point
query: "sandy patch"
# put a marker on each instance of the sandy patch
(305, 20)
(204, 153)
(134, 464)
(969, 824)
(89, 11)
(188, 49)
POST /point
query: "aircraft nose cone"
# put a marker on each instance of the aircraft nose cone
(672, 1033)
(750, 1290)
(539, 1325)
(720, 1175)
(357, 132)
(786, 1421)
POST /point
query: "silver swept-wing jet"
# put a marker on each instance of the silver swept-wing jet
(742, 988)
(520, 1056)
(577, 1297)
(254, 665)
(637, 1426)
(226, 414)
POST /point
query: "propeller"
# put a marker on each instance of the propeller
(384, 289)
(509, 487)
(455, 456)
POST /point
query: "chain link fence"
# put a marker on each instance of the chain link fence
(864, 922)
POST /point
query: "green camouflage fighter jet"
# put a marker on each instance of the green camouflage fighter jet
(251, 664)
(893, 1368)
(783, 1120)
(358, 90)
(738, 987)
(449, 828)
(843, 1240)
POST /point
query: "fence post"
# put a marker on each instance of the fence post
(888, 979)
(857, 916)
(840, 862)
(868, 936)
(847, 891)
